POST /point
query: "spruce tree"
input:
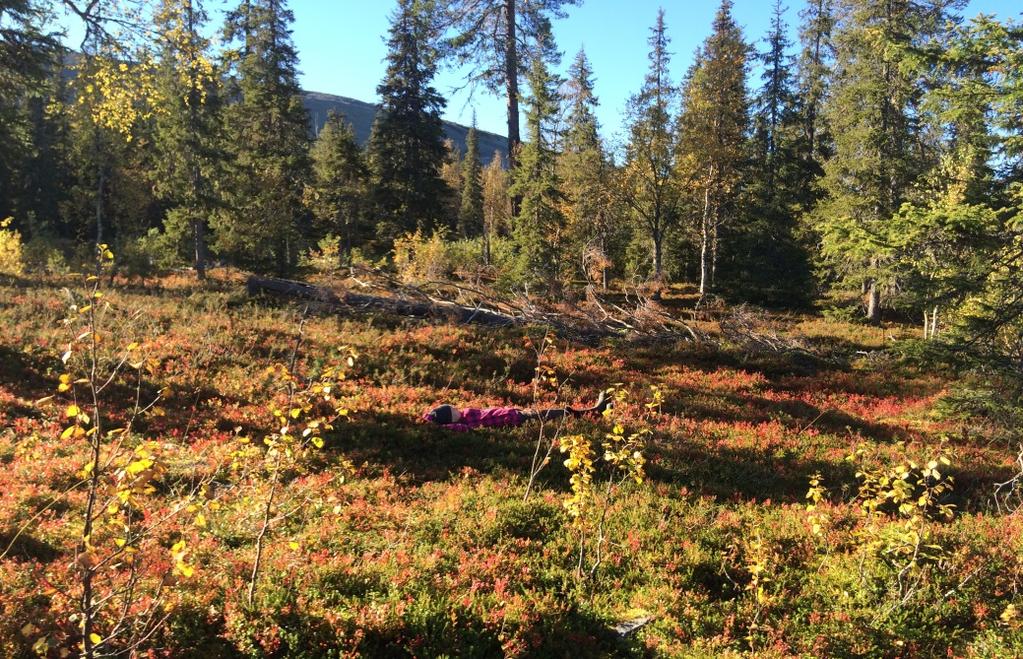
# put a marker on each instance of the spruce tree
(953, 250)
(584, 169)
(188, 137)
(649, 185)
(765, 260)
(880, 145)
(406, 147)
(470, 213)
(47, 175)
(338, 192)
(774, 108)
(27, 56)
(813, 75)
(713, 131)
(267, 130)
(540, 222)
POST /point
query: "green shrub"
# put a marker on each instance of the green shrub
(43, 255)
(149, 255)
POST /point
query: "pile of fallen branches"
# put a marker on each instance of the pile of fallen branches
(748, 330)
(1009, 494)
(642, 319)
(370, 289)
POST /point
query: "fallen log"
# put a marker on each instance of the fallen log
(290, 289)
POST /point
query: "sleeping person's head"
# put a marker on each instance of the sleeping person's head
(444, 414)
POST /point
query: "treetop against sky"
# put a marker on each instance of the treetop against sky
(341, 46)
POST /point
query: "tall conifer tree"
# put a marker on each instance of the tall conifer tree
(188, 137)
(540, 222)
(880, 146)
(813, 75)
(406, 147)
(339, 189)
(268, 135)
(584, 170)
(470, 213)
(649, 185)
(27, 56)
(713, 131)
(765, 260)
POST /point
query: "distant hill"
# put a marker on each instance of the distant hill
(360, 114)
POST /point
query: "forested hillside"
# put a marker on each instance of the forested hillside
(232, 312)
(361, 114)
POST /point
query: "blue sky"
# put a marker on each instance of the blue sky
(341, 47)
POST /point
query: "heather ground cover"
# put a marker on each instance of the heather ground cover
(806, 503)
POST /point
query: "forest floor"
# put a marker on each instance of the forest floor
(397, 538)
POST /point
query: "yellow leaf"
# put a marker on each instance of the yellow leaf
(178, 547)
(295, 412)
(138, 466)
(95, 638)
(185, 570)
(72, 411)
(294, 545)
(200, 520)
(70, 430)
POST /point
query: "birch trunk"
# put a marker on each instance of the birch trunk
(873, 302)
(704, 243)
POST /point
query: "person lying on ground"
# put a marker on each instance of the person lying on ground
(452, 418)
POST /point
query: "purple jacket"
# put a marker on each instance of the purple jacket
(491, 417)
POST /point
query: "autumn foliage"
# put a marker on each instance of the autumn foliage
(265, 487)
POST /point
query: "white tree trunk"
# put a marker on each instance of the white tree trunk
(873, 302)
(705, 244)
